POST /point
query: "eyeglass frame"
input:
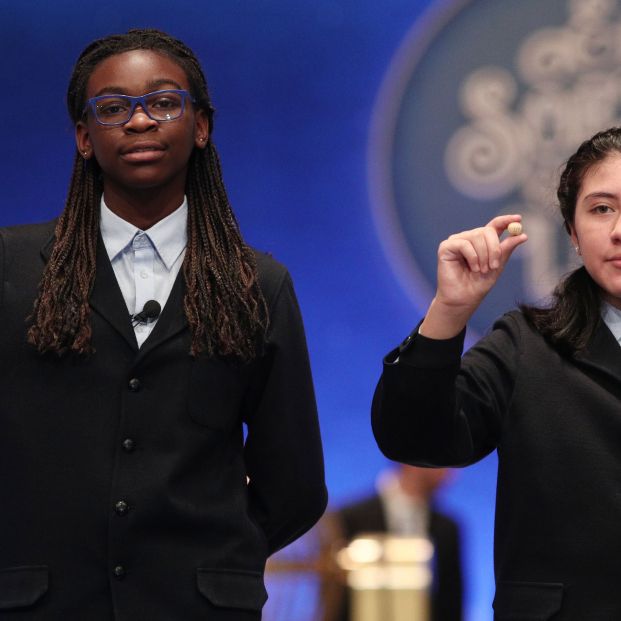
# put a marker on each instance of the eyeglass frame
(134, 100)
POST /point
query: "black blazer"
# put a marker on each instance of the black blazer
(368, 515)
(556, 424)
(123, 476)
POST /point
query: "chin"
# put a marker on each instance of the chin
(146, 182)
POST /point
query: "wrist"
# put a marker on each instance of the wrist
(445, 321)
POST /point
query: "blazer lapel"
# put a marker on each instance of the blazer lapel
(171, 321)
(603, 354)
(107, 300)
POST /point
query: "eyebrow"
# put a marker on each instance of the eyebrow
(600, 195)
(151, 86)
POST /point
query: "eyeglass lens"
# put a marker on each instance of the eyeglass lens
(114, 109)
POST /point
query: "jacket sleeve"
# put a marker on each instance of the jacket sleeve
(1, 269)
(283, 452)
(432, 408)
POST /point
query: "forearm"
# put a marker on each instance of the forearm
(287, 514)
(283, 453)
(415, 416)
(431, 407)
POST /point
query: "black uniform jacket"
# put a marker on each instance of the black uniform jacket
(123, 476)
(367, 516)
(556, 424)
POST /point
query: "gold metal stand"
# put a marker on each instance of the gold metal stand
(389, 577)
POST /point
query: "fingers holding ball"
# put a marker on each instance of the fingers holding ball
(515, 228)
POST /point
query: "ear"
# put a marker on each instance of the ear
(83, 140)
(574, 237)
(572, 233)
(201, 129)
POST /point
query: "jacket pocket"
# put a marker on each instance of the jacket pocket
(243, 590)
(527, 601)
(215, 394)
(22, 586)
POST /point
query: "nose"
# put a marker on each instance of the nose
(139, 121)
(615, 233)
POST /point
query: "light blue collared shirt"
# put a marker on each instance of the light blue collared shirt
(612, 318)
(146, 263)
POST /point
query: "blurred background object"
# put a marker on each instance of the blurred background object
(389, 556)
(403, 506)
(388, 577)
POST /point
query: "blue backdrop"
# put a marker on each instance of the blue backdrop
(294, 83)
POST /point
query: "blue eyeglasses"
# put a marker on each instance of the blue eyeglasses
(166, 105)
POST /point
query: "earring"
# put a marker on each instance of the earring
(577, 249)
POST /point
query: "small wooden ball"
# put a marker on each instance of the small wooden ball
(515, 228)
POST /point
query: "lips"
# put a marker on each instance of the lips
(143, 152)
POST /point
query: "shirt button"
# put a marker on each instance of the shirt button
(119, 572)
(144, 274)
(121, 507)
(128, 445)
(134, 384)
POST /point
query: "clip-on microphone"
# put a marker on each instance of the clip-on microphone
(150, 312)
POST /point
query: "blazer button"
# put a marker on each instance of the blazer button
(128, 445)
(121, 507)
(134, 384)
(119, 572)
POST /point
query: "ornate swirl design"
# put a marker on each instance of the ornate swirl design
(468, 125)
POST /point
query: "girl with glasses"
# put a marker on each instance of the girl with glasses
(141, 334)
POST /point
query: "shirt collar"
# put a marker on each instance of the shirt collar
(405, 514)
(612, 318)
(168, 236)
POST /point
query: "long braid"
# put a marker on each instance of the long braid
(226, 268)
(60, 317)
(223, 303)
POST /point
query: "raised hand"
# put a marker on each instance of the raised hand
(469, 264)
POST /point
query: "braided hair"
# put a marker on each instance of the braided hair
(223, 303)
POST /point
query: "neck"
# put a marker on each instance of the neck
(413, 491)
(142, 208)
